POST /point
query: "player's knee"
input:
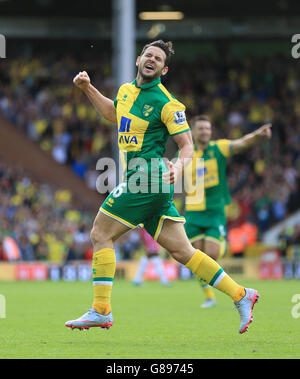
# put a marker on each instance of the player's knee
(96, 236)
(181, 255)
(93, 235)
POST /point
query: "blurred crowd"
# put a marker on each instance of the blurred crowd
(289, 242)
(239, 94)
(40, 219)
(39, 222)
(38, 96)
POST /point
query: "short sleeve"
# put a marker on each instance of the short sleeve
(173, 116)
(121, 95)
(224, 146)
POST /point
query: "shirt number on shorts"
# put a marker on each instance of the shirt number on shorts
(119, 190)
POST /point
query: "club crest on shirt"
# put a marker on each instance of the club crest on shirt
(179, 117)
(147, 110)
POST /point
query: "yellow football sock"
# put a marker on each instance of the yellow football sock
(208, 292)
(103, 269)
(208, 270)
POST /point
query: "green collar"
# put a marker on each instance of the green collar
(196, 149)
(147, 85)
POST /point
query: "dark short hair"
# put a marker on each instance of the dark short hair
(201, 117)
(167, 47)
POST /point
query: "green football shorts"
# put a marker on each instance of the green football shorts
(209, 225)
(141, 209)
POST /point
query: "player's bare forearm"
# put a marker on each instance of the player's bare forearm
(186, 151)
(251, 139)
(185, 157)
(103, 105)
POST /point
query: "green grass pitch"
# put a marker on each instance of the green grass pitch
(151, 322)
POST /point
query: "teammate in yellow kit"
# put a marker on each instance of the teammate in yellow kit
(205, 219)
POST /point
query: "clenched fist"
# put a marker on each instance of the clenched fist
(82, 80)
(265, 131)
(171, 176)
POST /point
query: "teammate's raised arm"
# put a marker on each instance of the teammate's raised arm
(103, 105)
(251, 139)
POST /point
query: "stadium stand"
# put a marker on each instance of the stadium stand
(18, 149)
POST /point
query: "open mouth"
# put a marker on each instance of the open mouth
(149, 68)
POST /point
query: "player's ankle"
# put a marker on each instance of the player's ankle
(241, 292)
(103, 309)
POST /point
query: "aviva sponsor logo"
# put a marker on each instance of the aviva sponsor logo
(125, 125)
(131, 133)
(128, 139)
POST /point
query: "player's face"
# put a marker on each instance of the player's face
(202, 131)
(151, 65)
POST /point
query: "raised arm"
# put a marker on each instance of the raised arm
(103, 105)
(251, 139)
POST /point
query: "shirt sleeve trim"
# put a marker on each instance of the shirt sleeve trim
(182, 131)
